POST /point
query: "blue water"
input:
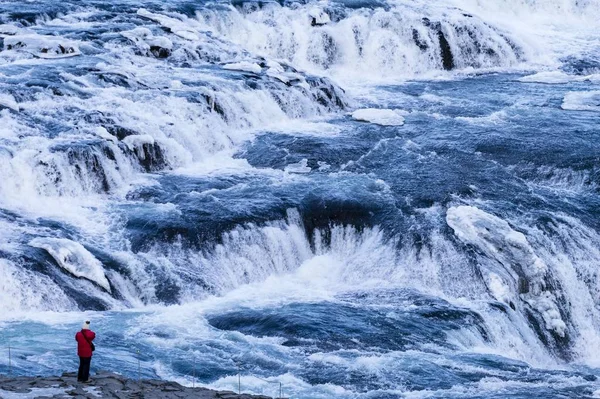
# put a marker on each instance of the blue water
(189, 177)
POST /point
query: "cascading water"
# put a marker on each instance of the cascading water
(365, 42)
(356, 199)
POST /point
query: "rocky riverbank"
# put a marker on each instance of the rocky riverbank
(106, 385)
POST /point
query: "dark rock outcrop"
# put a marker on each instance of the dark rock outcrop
(445, 50)
(109, 385)
(160, 52)
(447, 57)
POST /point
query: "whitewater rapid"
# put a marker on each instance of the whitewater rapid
(356, 199)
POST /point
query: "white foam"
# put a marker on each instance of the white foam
(286, 77)
(557, 77)
(582, 101)
(567, 181)
(180, 27)
(23, 290)
(137, 142)
(551, 29)
(144, 39)
(270, 386)
(492, 385)
(319, 17)
(492, 234)
(571, 250)
(498, 288)
(494, 118)
(6, 29)
(365, 45)
(103, 133)
(43, 46)
(244, 66)
(511, 249)
(298, 167)
(384, 117)
(74, 258)
(7, 100)
(569, 11)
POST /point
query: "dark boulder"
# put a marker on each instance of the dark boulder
(160, 52)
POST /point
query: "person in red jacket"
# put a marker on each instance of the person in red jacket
(85, 348)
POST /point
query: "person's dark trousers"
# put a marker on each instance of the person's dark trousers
(84, 369)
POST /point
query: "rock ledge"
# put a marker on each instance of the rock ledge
(106, 385)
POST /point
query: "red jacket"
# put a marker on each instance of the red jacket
(83, 347)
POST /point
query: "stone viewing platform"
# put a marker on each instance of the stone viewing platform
(106, 385)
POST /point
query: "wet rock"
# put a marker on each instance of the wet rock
(99, 119)
(446, 52)
(148, 152)
(148, 44)
(14, 46)
(420, 42)
(118, 79)
(315, 22)
(160, 52)
(214, 105)
(109, 385)
(326, 93)
(42, 46)
(86, 161)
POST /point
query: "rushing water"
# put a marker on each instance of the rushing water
(357, 199)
